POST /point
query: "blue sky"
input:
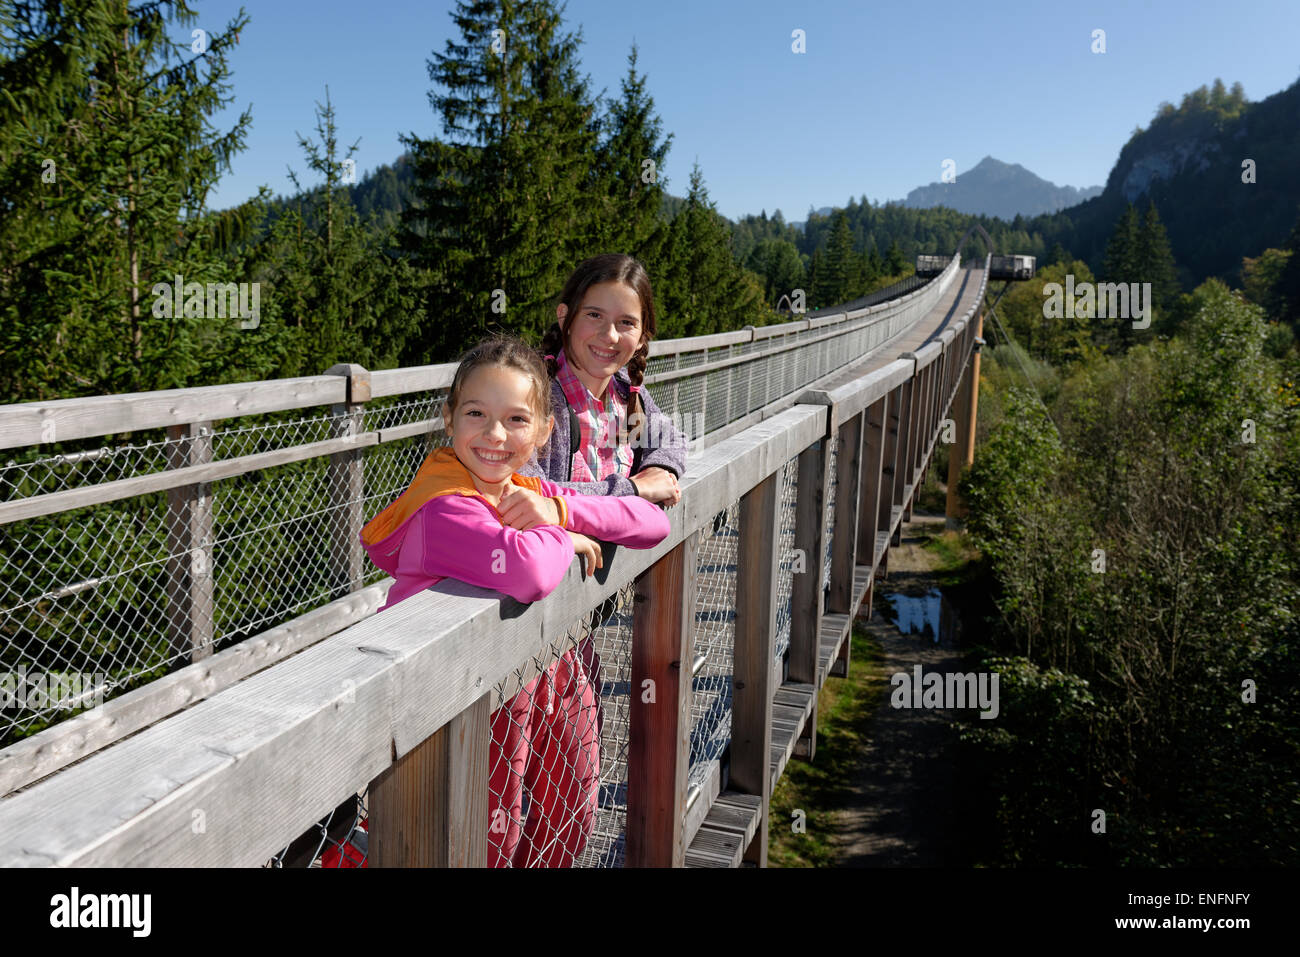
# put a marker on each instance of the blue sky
(884, 94)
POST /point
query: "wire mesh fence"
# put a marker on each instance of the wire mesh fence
(715, 632)
(129, 590)
(833, 455)
(123, 592)
(788, 502)
(557, 761)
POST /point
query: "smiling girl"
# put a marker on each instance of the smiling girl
(448, 524)
(610, 436)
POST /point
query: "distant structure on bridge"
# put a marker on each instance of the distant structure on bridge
(1000, 267)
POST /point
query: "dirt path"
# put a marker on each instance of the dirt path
(900, 813)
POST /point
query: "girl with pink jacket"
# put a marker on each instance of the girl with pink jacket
(454, 522)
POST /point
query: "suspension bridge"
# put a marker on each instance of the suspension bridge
(207, 564)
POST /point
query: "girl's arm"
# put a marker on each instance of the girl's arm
(662, 444)
(462, 539)
(622, 519)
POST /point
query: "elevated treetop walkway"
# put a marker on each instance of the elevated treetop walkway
(211, 568)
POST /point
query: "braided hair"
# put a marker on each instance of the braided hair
(608, 267)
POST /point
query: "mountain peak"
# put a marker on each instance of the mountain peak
(993, 187)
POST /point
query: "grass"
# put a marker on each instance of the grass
(845, 712)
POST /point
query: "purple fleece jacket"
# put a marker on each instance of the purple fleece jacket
(664, 446)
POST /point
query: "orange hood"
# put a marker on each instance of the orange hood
(441, 473)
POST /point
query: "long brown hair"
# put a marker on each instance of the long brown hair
(608, 267)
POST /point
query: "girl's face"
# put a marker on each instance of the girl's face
(606, 332)
(495, 428)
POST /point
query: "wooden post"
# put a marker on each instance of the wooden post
(344, 482)
(889, 463)
(430, 808)
(663, 633)
(806, 592)
(751, 704)
(190, 609)
(844, 545)
(906, 433)
(873, 478)
(962, 452)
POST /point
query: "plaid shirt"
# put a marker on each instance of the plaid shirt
(599, 455)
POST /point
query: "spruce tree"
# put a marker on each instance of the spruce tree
(1122, 249)
(841, 263)
(872, 265)
(1155, 260)
(500, 213)
(106, 161)
(628, 172)
(698, 284)
(343, 297)
(895, 261)
(1121, 265)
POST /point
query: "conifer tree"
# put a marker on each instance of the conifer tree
(873, 265)
(1155, 260)
(629, 172)
(106, 161)
(499, 215)
(1122, 249)
(841, 263)
(342, 297)
(699, 286)
(895, 261)
(1121, 265)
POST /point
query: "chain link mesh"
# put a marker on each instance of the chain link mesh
(785, 548)
(129, 589)
(833, 455)
(715, 634)
(133, 589)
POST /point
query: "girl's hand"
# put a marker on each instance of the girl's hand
(588, 548)
(523, 509)
(658, 485)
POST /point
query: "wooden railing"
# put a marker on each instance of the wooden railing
(396, 706)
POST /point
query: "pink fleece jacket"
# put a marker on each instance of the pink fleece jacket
(458, 534)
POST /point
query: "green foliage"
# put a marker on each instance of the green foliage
(106, 160)
(628, 181)
(1149, 554)
(339, 296)
(1060, 342)
(1033, 756)
(700, 287)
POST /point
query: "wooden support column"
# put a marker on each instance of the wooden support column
(751, 704)
(906, 436)
(430, 808)
(889, 466)
(345, 485)
(962, 453)
(807, 587)
(659, 736)
(873, 479)
(844, 545)
(189, 546)
(806, 593)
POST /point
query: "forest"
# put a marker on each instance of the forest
(1133, 493)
